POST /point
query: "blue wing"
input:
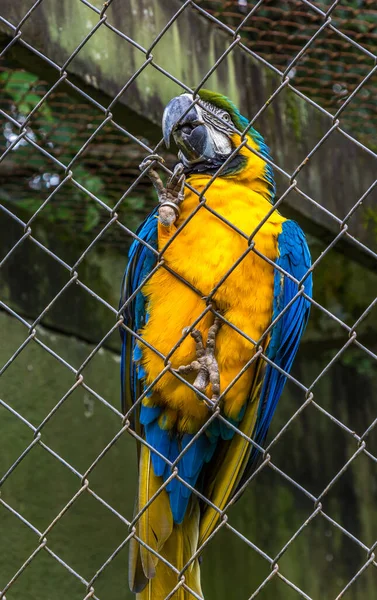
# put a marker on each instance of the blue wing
(141, 261)
(294, 258)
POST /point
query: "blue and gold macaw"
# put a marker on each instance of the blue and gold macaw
(167, 298)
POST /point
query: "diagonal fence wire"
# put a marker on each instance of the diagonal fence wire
(326, 21)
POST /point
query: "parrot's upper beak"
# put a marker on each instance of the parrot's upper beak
(179, 114)
(184, 122)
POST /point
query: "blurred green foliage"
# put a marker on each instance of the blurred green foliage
(61, 127)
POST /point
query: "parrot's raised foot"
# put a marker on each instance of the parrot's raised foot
(205, 364)
(171, 196)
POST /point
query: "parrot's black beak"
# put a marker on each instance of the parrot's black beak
(183, 121)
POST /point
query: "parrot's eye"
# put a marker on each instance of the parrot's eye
(226, 117)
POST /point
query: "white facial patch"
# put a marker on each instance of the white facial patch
(220, 140)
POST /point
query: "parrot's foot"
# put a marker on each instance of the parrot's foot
(205, 364)
(171, 196)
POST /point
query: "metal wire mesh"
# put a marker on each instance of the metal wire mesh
(332, 68)
(345, 98)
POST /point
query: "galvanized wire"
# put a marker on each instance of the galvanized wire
(323, 20)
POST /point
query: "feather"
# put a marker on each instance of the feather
(155, 524)
(294, 258)
(228, 468)
(178, 551)
(141, 261)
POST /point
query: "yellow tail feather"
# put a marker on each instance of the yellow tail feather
(150, 577)
(230, 470)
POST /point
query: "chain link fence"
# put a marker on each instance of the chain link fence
(75, 149)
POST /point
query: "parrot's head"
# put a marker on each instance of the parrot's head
(208, 132)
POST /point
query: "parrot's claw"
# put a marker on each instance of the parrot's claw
(148, 160)
(152, 174)
(169, 196)
(205, 364)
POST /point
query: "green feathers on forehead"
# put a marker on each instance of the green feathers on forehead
(224, 103)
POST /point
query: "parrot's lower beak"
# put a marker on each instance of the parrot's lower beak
(183, 121)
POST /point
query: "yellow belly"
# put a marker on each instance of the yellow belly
(202, 254)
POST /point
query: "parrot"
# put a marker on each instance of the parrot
(215, 298)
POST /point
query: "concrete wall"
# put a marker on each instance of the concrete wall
(335, 177)
(320, 561)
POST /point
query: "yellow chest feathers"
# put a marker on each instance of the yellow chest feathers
(202, 254)
(207, 248)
